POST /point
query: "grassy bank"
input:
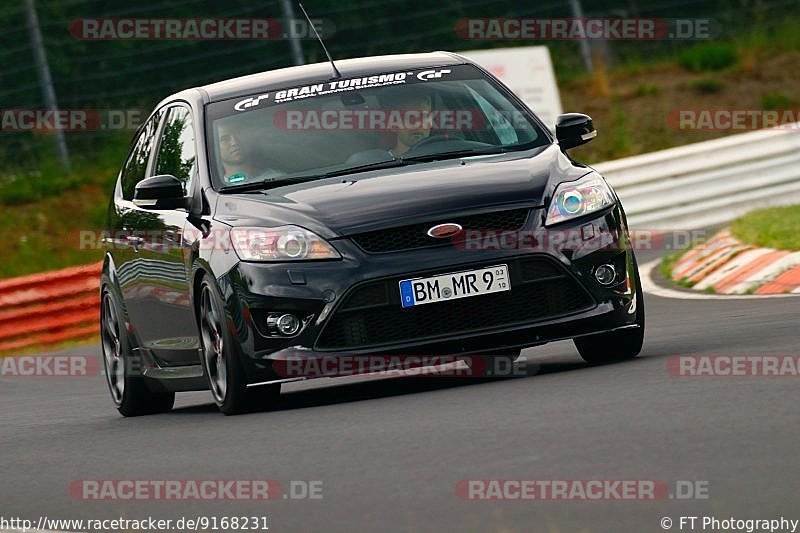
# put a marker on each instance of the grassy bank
(774, 227)
(45, 235)
(631, 106)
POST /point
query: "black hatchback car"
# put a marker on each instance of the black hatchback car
(407, 204)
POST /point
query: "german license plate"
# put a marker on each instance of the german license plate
(420, 291)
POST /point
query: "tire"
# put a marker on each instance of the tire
(615, 346)
(129, 391)
(221, 364)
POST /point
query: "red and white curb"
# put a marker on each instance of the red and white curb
(723, 265)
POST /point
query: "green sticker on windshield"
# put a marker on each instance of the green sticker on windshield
(236, 178)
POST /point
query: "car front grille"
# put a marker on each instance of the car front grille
(371, 314)
(416, 235)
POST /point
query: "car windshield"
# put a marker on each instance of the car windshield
(356, 124)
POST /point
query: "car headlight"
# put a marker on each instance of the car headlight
(577, 198)
(285, 243)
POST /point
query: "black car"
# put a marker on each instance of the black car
(407, 204)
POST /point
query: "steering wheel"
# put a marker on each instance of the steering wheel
(429, 140)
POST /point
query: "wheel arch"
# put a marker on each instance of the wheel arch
(198, 273)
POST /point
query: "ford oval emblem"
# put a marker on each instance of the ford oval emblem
(442, 231)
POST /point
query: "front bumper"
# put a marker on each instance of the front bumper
(320, 292)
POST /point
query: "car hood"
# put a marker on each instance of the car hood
(372, 200)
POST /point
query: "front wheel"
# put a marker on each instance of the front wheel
(615, 345)
(226, 377)
(128, 390)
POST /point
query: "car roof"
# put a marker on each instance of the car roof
(349, 68)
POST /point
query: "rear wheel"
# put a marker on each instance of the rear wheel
(615, 345)
(226, 377)
(128, 390)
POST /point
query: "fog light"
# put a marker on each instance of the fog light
(605, 274)
(288, 324)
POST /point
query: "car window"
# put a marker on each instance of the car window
(332, 126)
(136, 166)
(502, 127)
(176, 150)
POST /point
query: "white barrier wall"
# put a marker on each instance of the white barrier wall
(710, 182)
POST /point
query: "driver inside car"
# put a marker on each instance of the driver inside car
(415, 109)
(237, 161)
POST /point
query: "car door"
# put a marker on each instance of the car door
(125, 221)
(161, 306)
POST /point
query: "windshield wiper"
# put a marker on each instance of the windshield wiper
(454, 154)
(264, 184)
(288, 180)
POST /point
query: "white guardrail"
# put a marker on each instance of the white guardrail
(710, 182)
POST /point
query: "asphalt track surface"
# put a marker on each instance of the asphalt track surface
(390, 451)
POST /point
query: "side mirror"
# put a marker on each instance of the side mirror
(159, 192)
(574, 129)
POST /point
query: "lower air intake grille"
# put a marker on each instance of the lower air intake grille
(371, 314)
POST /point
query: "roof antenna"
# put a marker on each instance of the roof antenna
(336, 73)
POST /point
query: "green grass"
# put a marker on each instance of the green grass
(646, 89)
(777, 38)
(91, 163)
(44, 210)
(707, 57)
(669, 260)
(45, 235)
(621, 137)
(51, 348)
(668, 263)
(774, 227)
(707, 86)
(776, 101)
